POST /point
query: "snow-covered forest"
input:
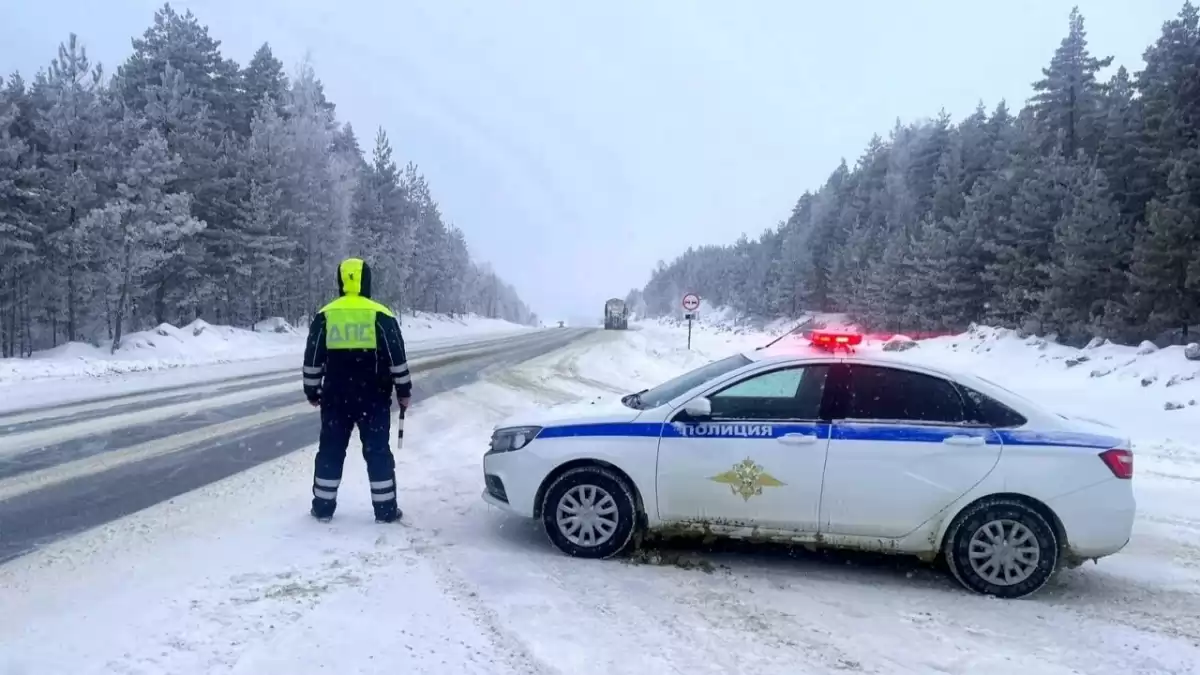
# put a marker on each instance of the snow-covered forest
(1078, 214)
(184, 185)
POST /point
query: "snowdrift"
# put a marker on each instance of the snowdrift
(201, 343)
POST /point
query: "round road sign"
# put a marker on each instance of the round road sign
(691, 301)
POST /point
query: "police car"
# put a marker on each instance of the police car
(827, 445)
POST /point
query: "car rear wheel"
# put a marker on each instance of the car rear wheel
(1002, 547)
(589, 512)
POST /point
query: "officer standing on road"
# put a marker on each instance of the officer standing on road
(353, 360)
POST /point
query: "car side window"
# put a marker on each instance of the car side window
(788, 393)
(991, 412)
(878, 393)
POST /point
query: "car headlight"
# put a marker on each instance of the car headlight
(513, 438)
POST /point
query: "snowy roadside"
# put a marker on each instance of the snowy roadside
(234, 578)
(167, 357)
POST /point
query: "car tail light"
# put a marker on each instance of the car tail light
(1119, 461)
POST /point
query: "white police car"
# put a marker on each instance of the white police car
(828, 447)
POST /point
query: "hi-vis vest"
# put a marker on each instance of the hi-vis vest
(350, 322)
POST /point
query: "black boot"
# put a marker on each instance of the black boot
(322, 509)
(388, 512)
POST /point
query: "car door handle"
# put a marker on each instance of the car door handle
(798, 439)
(963, 440)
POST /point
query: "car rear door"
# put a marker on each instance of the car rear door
(901, 450)
(757, 461)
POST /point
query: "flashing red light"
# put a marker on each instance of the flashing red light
(830, 340)
(1119, 461)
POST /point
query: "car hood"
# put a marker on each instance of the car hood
(598, 411)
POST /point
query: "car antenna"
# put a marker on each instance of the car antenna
(795, 328)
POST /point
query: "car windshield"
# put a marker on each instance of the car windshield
(652, 398)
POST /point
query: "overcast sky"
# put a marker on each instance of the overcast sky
(578, 143)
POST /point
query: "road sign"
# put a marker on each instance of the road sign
(691, 302)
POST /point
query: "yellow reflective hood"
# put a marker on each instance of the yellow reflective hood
(354, 277)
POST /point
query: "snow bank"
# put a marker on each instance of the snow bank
(201, 343)
(163, 347)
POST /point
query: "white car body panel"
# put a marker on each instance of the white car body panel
(863, 484)
(889, 489)
(794, 455)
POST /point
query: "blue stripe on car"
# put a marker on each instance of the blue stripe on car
(653, 429)
(866, 431)
(854, 431)
(1065, 439)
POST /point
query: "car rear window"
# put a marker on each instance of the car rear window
(991, 412)
(879, 393)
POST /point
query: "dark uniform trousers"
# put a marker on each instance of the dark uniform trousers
(374, 429)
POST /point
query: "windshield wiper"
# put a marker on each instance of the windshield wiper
(634, 400)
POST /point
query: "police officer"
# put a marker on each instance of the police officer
(353, 361)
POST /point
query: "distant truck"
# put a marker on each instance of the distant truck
(615, 315)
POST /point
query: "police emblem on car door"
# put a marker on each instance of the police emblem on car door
(747, 479)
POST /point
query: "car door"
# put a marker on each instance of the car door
(901, 450)
(757, 461)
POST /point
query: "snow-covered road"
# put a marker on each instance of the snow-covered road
(235, 578)
(76, 465)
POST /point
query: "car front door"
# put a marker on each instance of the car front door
(757, 461)
(901, 450)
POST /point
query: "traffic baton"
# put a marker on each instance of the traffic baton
(400, 428)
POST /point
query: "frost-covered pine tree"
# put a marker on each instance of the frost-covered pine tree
(144, 226)
(458, 264)
(73, 130)
(20, 196)
(263, 82)
(427, 236)
(1164, 275)
(1088, 261)
(1067, 100)
(308, 193)
(381, 214)
(259, 261)
(1169, 102)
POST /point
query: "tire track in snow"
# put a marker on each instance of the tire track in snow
(516, 653)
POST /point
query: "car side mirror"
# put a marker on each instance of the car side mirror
(698, 408)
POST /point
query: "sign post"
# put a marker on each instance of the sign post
(691, 302)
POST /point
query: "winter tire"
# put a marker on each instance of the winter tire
(1001, 547)
(589, 512)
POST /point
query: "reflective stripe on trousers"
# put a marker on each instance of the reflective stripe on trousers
(337, 426)
(326, 488)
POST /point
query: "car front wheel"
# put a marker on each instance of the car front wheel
(1002, 547)
(589, 512)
